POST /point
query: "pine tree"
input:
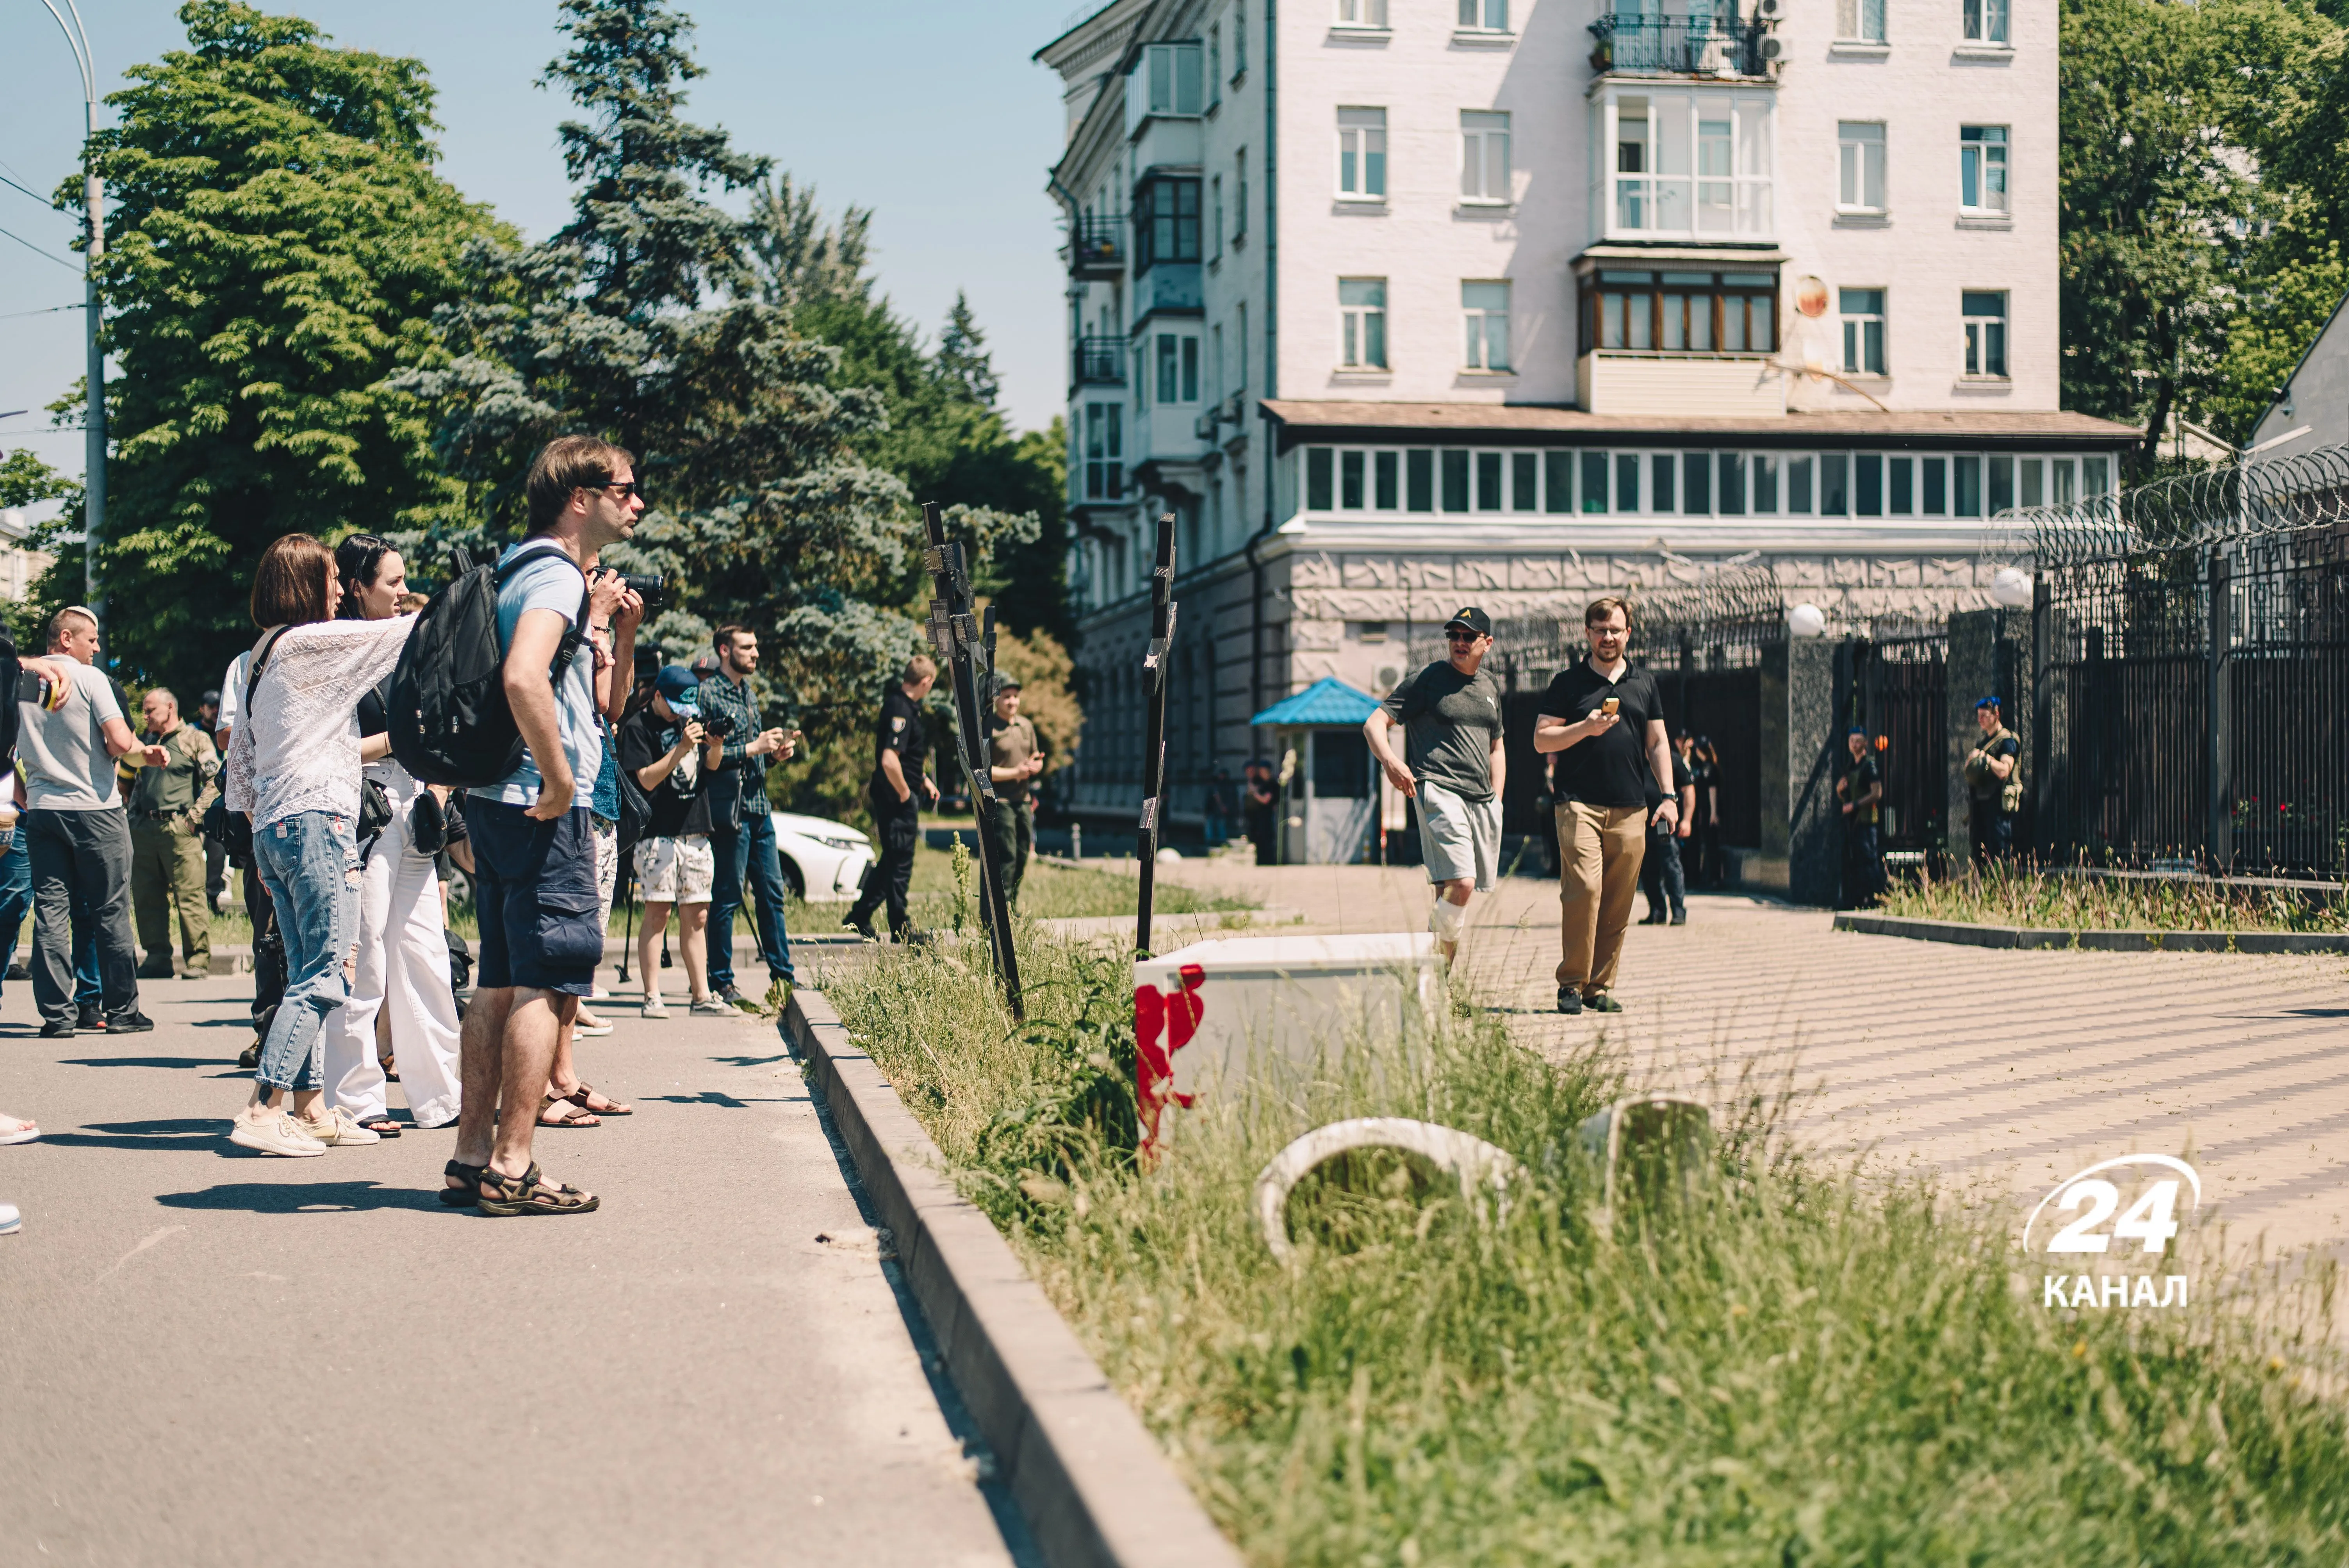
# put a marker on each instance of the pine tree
(278, 243)
(656, 319)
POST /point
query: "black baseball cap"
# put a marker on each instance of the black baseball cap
(1471, 619)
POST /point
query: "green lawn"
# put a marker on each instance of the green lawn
(2011, 896)
(1791, 1367)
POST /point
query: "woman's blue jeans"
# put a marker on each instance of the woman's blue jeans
(310, 863)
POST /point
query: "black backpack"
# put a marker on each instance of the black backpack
(450, 722)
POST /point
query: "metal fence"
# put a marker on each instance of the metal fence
(1901, 691)
(2192, 660)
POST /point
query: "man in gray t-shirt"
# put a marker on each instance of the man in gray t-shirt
(70, 734)
(1454, 765)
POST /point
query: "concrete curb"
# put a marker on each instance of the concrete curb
(1965, 934)
(1096, 1489)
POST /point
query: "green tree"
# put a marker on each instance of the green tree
(278, 241)
(658, 320)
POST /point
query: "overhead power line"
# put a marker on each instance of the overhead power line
(38, 252)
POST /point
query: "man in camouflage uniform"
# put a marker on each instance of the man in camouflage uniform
(167, 807)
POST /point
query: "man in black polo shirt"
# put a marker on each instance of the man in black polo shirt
(1608, 721)
(898, 788)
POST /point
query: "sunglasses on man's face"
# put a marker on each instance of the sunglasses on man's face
(1460, 636)
(625, 487)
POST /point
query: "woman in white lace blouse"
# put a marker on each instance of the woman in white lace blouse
(294, 768)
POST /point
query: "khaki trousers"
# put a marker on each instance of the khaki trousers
(1600, 848)
(167, 878)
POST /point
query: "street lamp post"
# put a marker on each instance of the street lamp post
(93, 193)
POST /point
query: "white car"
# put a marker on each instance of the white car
(823, 860)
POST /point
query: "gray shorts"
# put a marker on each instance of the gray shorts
(1459, 839)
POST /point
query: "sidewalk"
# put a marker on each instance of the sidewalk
(215, 1356)
(2023, 1065)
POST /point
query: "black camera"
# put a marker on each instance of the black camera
(646, 585)
(717, 726)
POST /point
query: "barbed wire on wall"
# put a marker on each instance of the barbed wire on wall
(1724, 605)
(2264, 496)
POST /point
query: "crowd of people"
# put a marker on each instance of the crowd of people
(346, 856)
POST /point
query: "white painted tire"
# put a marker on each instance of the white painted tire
(1470, 1160)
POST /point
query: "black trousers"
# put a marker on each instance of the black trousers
(1863, 866)
(268, 950)
(1661, 877)
(1992, 831)
(85, 853)
(899, 825)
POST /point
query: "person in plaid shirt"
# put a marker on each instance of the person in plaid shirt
(741, 832)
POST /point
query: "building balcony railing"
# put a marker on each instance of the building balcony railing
(1100, 360)
(1652, 45)
(1098, 247)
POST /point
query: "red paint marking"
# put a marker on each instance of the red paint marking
(1177, 1017)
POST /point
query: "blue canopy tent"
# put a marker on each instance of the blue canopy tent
(1329, 805)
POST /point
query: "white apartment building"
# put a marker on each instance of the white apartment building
(1399, 304)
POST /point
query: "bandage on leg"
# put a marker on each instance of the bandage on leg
(1447, 920)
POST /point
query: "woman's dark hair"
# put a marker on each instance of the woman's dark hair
(358, 559)
(289, 586)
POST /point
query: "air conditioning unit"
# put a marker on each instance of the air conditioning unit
(1770, 10)
(1773, 49)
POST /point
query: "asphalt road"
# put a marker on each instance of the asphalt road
(209, 1355)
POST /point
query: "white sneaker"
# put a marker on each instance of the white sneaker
(656, 1008)
(11, 1221)
(337, 1127)
(711, 1008)
(590, 1024)
(273, 1132)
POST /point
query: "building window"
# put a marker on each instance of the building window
(1104, 451)
(1362, 323)
(1240, 319)
(1363, 154)
(1484, 16)
(1361, 13)
(1351, 492)
(1176, 80)
(1178, 369)
(1707, 313)
(1216, 213)
(1484, 156)
(1985, 21)
(1166, 222)
(1215, 365)
(1214, 63)
(1862, 311)
(1321, 493)
(1419, 478)
(1861, 21)
(1861, 147)
(1558, 481)
(1239, 196)
(1693, 164)
(1985, 320)
(1239, 39)
(1484, 307)
(1981, 168)
(1763, 495)
(1382, 481)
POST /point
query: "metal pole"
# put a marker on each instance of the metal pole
(1154, 667)
(964, 648)
(93, 194)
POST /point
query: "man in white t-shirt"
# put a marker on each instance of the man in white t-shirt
(533, 850)
(70, 735)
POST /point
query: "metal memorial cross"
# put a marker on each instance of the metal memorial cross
(1156, 665)
(965, 647)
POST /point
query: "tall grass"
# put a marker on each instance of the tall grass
(1790, 1366)
(2012, 895)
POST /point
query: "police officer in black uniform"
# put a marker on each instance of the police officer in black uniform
(897, 775)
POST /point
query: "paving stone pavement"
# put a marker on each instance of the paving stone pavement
(2017, 1066)
(209, 1355)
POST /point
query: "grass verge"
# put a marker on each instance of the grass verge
(1793, 1368)
(2011, 896)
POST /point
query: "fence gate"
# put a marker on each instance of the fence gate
(1903, 696)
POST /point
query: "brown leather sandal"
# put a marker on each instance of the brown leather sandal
(587, 1091)
(526, 1194)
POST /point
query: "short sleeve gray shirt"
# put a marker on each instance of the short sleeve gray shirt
(63, 747)
(1450, 722)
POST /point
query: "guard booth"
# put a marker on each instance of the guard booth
(1329, 798)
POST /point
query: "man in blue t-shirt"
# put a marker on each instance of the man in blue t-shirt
(533, 850)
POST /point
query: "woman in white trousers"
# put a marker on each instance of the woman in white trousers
(402, 965)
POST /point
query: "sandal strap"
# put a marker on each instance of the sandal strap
(459, 1168)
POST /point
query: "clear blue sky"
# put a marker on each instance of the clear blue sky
(930, 113)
